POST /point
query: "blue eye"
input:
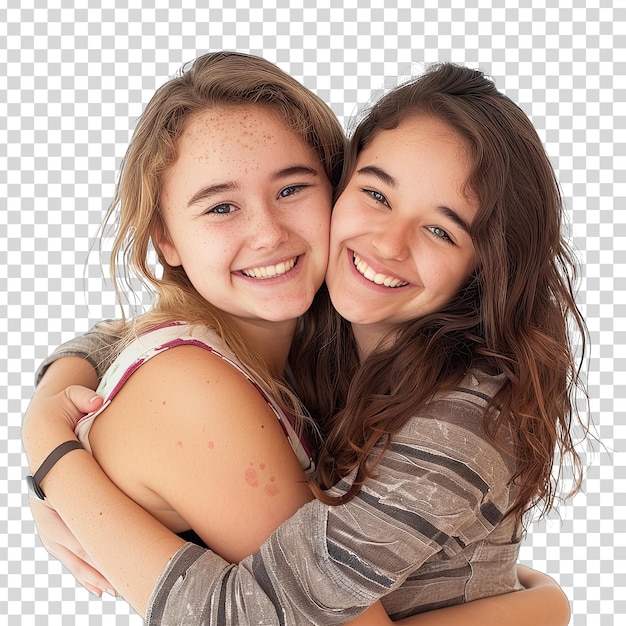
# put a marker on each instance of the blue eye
(290, 191)
(376, 195)
(222, 209)
(440, 233)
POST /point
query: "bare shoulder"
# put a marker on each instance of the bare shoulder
(185, 391)
(190, 375)
(188, 423)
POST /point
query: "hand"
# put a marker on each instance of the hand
(61, 543)
(74, 402)
(50, 420)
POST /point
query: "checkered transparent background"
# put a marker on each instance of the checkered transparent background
(74, 80)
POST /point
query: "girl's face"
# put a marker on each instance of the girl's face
(247, 209)
(400, 243)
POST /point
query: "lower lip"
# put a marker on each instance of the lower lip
(274, 280)
(368, 283)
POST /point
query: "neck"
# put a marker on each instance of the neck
(270, 340)
(368, 337)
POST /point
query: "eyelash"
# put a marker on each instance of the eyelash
(379, 197)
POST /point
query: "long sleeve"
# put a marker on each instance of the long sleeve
(434, 512)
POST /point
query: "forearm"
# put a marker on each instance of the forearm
(90, 505)
(541, 603)
(70, 370)
(132, 554)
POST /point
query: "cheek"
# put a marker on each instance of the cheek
(312, 218)
(342, 225)
(321, 226)
(458, 273)
(442, 272)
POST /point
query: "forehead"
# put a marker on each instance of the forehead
(417, 130)
(417, 146)
(234, 144)
(237, 124)
(423, 154)
(234, 136)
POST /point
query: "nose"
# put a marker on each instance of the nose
(393, 240)
(267, 228)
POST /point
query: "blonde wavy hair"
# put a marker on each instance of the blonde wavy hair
(214, 79)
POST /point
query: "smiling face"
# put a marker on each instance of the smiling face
(246, 208)
(400, 242)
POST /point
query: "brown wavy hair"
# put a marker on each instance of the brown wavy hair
(212, 80)
(512, 316)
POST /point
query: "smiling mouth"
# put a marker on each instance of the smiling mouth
(379, 279)
(270, 271)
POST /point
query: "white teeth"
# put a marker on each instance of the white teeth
(270, 271)
(380, 279)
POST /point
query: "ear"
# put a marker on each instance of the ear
(164, 245)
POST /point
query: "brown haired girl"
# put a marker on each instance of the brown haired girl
(451, 367)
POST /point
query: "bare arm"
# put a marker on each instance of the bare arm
(55, 535)
(187, 434)
(95, 511)
(70, 370)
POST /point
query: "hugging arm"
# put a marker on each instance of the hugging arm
(55, 535)
(197, 446)
(145, 541)
(541, 603)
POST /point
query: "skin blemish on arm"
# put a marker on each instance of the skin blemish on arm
(251, 477)
(271, 489)
(211, 445)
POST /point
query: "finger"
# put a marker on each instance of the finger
(83, 398)
(88, 576)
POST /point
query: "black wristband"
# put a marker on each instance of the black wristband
(60, 451)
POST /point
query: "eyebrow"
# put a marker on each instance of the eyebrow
(218, 188)
(388, 179)
(212, 190)
(453, 216)
(379, 173)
